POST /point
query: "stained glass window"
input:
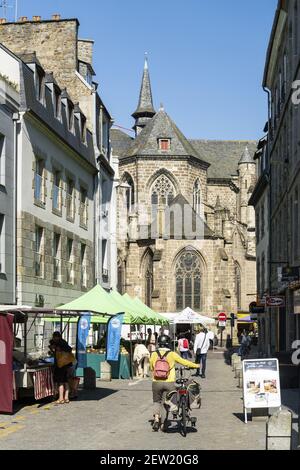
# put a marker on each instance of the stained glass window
(163, 191)
(188, 281)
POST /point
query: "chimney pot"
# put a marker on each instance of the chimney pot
(22, 19)
(56, 17)
(2, 20)
(36, 18)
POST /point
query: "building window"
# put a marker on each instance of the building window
(162, 192)
(2, 160)
(130, 196)
(83, 207)
(56, 257)
(164, 144)
(148, 272)
(188, 281)
(83, 265)
(83, 128)
(197, 197)
(262, 278)
(71, 116)
(39, 181)
(70, 200)
(238, 290)
(262, 221)
(70, 267)
(39, 252)
(40, 85)
(57, 103)
(296, 225)
(56, 191)
(2, 243)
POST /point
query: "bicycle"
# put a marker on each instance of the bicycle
(183, 412)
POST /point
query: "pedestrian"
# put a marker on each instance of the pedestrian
(183, 346)
(201, 347)
(63, 366)
(151, 341)
(245, 344)
(162, 363)
(141, 357)
(211, 337)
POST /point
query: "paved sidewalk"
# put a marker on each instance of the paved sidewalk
(116, 416)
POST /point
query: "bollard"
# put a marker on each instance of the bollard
(105, 371)
(237, 371)
(279, 431)
(233, 359)
(89, 378)
(240, 379)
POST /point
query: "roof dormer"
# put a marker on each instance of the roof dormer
(56, 94)
(34, 64)
(68, 103)
(82, 122)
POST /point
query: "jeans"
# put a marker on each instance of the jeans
(184, 354)
(202, 361)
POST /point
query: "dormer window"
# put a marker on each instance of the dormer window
(164, 144)
(40, 84)
(71, 116)
(83, 128)
(57, 103)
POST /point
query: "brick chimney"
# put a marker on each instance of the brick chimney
(2, 20)
(56, 17)
(22, 19)
(36, 18)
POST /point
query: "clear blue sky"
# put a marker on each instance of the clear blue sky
(206, 58)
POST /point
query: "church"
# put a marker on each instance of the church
(185, 230)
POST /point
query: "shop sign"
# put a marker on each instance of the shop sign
(261, 383)
(256, 309)
(275, 301)
(290, 274)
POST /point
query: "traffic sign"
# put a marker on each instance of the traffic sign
(222, 317)
(222, 324)
(275, 301)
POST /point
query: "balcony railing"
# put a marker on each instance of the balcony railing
(57, 269)
(70, 206)
(70, 272)
(38, 265)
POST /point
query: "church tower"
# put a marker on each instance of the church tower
(247, 176)
(145, 110)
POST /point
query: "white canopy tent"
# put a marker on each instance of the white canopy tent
(189, 317)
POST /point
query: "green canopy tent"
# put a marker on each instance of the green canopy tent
(154, 318)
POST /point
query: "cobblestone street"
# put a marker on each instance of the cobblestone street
(116, 416)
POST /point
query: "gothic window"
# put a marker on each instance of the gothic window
(129, 191)
(197, 197)
(148, 279)
(238, 293)
(188, 281)
(162, 192)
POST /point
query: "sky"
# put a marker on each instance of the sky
(206, 58)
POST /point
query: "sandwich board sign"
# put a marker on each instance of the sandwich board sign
(261, 384)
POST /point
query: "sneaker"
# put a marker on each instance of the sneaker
(155, 426)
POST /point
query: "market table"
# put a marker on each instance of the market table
(119, 370)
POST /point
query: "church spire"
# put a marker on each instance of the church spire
(145, 110)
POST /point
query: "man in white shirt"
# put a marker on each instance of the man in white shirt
(201, 347)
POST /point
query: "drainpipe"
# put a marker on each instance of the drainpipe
(16, 121)
(269, 216)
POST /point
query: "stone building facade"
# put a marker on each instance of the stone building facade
(186, 233)
(61, 52)
(54, 183)
(281, 80)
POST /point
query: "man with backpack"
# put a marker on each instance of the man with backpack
(162, 363)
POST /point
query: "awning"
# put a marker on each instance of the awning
(188, 316)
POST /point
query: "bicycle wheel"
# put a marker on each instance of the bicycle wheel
(183, 417)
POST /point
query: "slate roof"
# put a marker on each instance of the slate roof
(223, 155)
(120, 142)
(161, 126)
(145, 105)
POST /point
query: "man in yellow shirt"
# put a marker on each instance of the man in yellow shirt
(162, 363)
